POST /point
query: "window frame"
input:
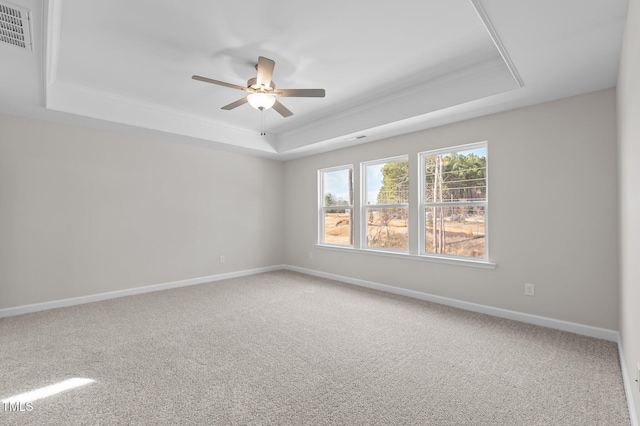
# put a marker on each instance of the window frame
(416, 239)
(322, 208)
(364, 207)
(423, 204)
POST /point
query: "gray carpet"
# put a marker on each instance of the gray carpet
(286, 348)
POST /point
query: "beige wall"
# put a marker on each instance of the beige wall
(629, 146)
(553, 212)
(85, 212)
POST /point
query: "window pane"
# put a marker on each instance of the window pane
(337, 187)
(388, 183)
(387, 228)
(457, 176)
(457, 231)
(337, 226)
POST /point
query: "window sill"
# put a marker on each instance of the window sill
(483, 264)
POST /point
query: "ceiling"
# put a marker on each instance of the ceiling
(388, 68)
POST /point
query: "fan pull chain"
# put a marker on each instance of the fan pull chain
(262, 130)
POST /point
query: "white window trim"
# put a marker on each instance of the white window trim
(449, 260)
(364, 206)
(422, 205)
(322, 207)
(359, 246)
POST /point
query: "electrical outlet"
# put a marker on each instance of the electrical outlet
(221, 259)
(529, 289)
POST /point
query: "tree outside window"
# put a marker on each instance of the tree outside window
(454, 201)
(387, 200)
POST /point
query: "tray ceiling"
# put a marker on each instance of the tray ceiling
(387, 67)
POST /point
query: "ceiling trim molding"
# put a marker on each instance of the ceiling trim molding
(86, 101)
(146, 105)
(485, 79)
(482, 13)
(51, 39)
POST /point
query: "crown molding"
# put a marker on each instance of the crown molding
(482, 14)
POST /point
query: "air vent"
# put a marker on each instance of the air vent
(14, 26)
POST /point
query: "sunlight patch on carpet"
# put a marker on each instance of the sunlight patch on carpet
(47, 391)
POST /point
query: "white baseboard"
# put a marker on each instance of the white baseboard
(628, 384)
(25, 309)
(585, 330)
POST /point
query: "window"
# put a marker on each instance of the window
(435, 212)
(453, 201)
(336, 206)
(385, 210)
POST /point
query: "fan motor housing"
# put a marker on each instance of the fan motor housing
(252, 82)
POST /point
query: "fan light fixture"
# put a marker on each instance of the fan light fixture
(261, 100)
(262, 93)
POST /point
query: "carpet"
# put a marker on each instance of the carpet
(283, 348)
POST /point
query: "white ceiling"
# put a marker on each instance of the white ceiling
(387, 67)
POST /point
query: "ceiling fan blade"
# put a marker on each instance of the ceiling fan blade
(265, 71)
(220, 83)
(235, 104)
(281, 109)
(300, 93)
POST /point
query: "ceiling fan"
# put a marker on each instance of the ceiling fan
(262, 91)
